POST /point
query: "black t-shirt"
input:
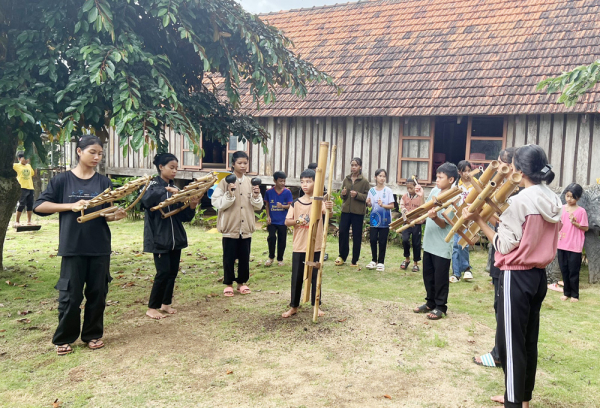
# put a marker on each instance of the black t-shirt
(91, 238)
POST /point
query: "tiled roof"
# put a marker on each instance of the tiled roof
(438, 57)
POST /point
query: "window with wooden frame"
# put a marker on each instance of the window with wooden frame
(416, 149)
(213, 157)
(486, 137)
(233, 146)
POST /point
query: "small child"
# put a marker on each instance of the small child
(277, 202)
(436, 251)
(298, 216)
(410, 201)
(381, 199)
(25, 175)
(460, 255)
(570, 241)
(164, 237)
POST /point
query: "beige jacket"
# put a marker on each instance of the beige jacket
(235, 215)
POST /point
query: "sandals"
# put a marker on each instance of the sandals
(404, 264)
(371, 265)
(435, 314)
(339, 261)
(487, 361)
(422, 309)
(280, 263)
(228, 291)
(63, 350)
(380, 267)
(95, 344)
(555, 287)
(416, 268)
(269, 262)
(244, 290)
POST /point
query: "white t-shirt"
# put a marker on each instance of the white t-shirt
(380, 217)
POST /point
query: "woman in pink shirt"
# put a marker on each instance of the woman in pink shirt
(570, 241)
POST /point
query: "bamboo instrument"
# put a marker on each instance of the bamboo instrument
(315, 217)
(497, 205)
(109, 196)
(195, 188)
(324, 244)
(420, 214)
(442, 206)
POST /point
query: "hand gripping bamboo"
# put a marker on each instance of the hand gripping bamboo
(325, 230)
(195, 188)
(315, 217)
(109, 196)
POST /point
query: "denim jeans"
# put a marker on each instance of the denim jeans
(460, 257)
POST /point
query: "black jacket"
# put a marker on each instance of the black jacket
(163, 235)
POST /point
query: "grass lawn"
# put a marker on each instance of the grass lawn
(369, 350)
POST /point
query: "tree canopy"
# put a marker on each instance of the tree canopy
(140, 66)
(573, 84)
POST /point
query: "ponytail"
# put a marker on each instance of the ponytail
(531, 159)
(162, 159)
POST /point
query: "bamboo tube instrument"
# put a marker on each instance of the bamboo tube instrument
(324, 244)
(315, 217)
(109, 196)
(195, 188)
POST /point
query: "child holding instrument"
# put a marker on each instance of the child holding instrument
(525, 244)
(236, 203)
(436, 251)
(298, 217)
(410, 201)
(84, 248)
(381, 199)
(277, 202)
(164, 237)
(570, 241)
(460, 255)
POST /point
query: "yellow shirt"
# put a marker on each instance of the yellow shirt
(24, 175)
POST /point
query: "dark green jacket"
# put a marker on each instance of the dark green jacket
(357, 204)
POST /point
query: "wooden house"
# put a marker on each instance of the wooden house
(423, 82)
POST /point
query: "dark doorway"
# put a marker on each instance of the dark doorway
(450, 141)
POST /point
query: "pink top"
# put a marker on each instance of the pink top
(571, 238)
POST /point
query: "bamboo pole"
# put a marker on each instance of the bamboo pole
(423, 209)
(325, 231)
(315, 216)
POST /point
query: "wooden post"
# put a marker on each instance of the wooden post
(325, 230)
(315, 217)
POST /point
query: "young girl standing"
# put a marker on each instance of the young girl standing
(460, 255)
(570, 241)
(381, 199)
(525, 244)
(165, 238)
(84, 248)
(236, 203)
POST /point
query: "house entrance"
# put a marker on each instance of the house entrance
(450, 143)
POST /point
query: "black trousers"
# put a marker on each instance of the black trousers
(26, 200)
(298, 259)
(435, 278)
(236, 248)
(570, 265)
(167, 266)
(277, 235)
(496, 282)
(356, 220)
(379, 236)
(77, 272)
(415, 231)
(521, 297)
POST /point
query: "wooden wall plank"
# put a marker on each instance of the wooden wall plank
(349, 149)
(277, 145)
(531, 129)
(425, 126)
(291, 152)
(583, 151)
(557, 148)
(284, 151)
(367, 139)
(384, 137)
(569, 150)
(393, 148)
(595, 154)
(267, 167)
(544, 132)
(520, 131)
(510, 129)
(301, 147)
(328, 137)
(375, 155)
(340, 140)
(357, 139)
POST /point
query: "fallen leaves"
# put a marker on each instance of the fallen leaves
(24, 312)
(24, 320)
(387, 396)
(229, 372)
(57, 403)
(128, 285)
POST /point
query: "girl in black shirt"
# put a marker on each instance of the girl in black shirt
(85, 248)
(164, 237)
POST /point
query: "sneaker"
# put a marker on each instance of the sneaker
(380, 267)
(371, 265)
(453, 279)
(468, 276)
(326, 257)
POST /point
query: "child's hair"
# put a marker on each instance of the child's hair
(531, 159)
(162, 159)
(358, 161)
(312, 166)
(86, 141)
(575, 189)
(308, 173)
(449, 169)
(238, 155)
(20, 155)
(411, 181)
(463, 164)
(279, 175)
(379, 171)
(506, 155)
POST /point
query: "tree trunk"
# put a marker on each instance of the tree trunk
(9, 186)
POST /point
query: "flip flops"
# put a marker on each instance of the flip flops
(63, 350)
(95, 344)
(339, 261)
(422, 309)
(416, 268)
(404, 264)
(228, 291)
(244, 290)
(435, 314)
(487, 361)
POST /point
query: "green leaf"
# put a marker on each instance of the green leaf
(44, 70)
(93, 15)
(77, 27)
(165, 20)
(87, 6)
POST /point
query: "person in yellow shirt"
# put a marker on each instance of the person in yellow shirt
(25, 175)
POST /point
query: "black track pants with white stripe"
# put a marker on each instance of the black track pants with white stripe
(521, 297)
